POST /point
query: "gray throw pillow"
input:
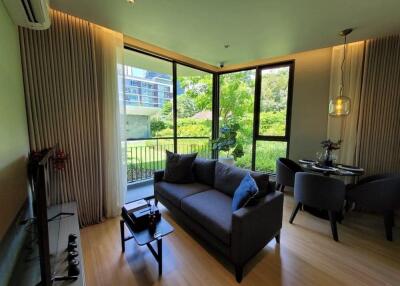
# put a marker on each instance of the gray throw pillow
(228, 178)
(204, 170)
(178, 168)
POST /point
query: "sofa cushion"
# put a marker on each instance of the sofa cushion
(179, 168)
(176, 192)
(213, 210)
(228, 178)
(244, 193)
(204, 170)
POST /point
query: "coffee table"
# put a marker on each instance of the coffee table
(144, 237)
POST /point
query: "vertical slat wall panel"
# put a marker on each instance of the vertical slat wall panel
(62, 103)
(378, 145)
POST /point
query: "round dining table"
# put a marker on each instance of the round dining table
(335, 170)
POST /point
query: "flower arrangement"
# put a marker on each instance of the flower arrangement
(59, 160)
(329, 146)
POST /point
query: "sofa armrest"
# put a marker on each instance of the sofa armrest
(158, 176)
(254, 226)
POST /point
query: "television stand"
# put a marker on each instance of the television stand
(60, 214)
(27, 271)
(64, 278)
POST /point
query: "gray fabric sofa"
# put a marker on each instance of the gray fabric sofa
(205, 207)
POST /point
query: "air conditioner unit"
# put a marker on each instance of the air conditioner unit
(32, 14)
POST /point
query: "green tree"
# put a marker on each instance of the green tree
(237, 95)
(274, 89)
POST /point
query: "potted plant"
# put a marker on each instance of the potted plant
(227, 142)
(329, 146)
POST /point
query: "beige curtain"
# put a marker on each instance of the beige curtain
(345, 128)
(109, 59)
(378, 144)
(64, 99)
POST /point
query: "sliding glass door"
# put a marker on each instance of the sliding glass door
(149, 128)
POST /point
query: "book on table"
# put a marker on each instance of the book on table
(132, 207)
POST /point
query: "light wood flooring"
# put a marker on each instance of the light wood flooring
(307, 255)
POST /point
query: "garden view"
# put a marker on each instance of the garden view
(194, 118)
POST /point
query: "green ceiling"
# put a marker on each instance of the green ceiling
(254, 28)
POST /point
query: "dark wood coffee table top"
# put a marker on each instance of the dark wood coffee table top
(143, 237)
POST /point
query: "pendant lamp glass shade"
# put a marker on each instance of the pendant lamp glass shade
(339, 106)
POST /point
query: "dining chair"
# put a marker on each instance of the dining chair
(380, 194)
(321, 192)
(285, 171)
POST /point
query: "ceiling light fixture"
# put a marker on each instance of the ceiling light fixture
(131, 2)
(340, 105)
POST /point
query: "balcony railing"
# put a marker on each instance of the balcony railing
(146, 155)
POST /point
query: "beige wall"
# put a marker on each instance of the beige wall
(310, 102)
(14, 144)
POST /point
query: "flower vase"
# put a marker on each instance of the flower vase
(328, 158)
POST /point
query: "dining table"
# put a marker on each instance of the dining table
(337, 169)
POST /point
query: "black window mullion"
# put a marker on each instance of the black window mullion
(215, 112)
(289, 105)
(256, 116)
(174, 106)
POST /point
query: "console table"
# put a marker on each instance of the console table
(27, 270)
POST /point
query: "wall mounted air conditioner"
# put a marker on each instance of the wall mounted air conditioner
(33, 14)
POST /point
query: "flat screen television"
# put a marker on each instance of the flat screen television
(43, 182)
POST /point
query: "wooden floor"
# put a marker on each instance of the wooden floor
(307, 255)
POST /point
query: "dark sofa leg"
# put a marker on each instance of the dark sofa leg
(389, 222)
(278, 238)
(332, 218)
(155, 202)
(278, 187)
(239, 273)
(296, 209)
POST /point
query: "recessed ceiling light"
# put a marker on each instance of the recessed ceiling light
(131, 1)
(226, 46)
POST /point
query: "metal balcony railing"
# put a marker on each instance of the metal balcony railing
(146, 155)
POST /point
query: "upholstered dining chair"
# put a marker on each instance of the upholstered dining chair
(380, 194)
(285, 171)
(320, 192)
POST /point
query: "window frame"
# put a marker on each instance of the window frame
(216, 100)
(257, 109)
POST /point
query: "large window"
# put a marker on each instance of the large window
(272, 110)
(149, 124)
(236, 106)
(273, 101)
(168, 107)
(258, 101)
(194, 111)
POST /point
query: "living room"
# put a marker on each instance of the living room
(199, 143)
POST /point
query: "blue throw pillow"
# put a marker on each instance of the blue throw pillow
(243, 194)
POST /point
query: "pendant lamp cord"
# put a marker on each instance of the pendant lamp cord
(342, 66)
